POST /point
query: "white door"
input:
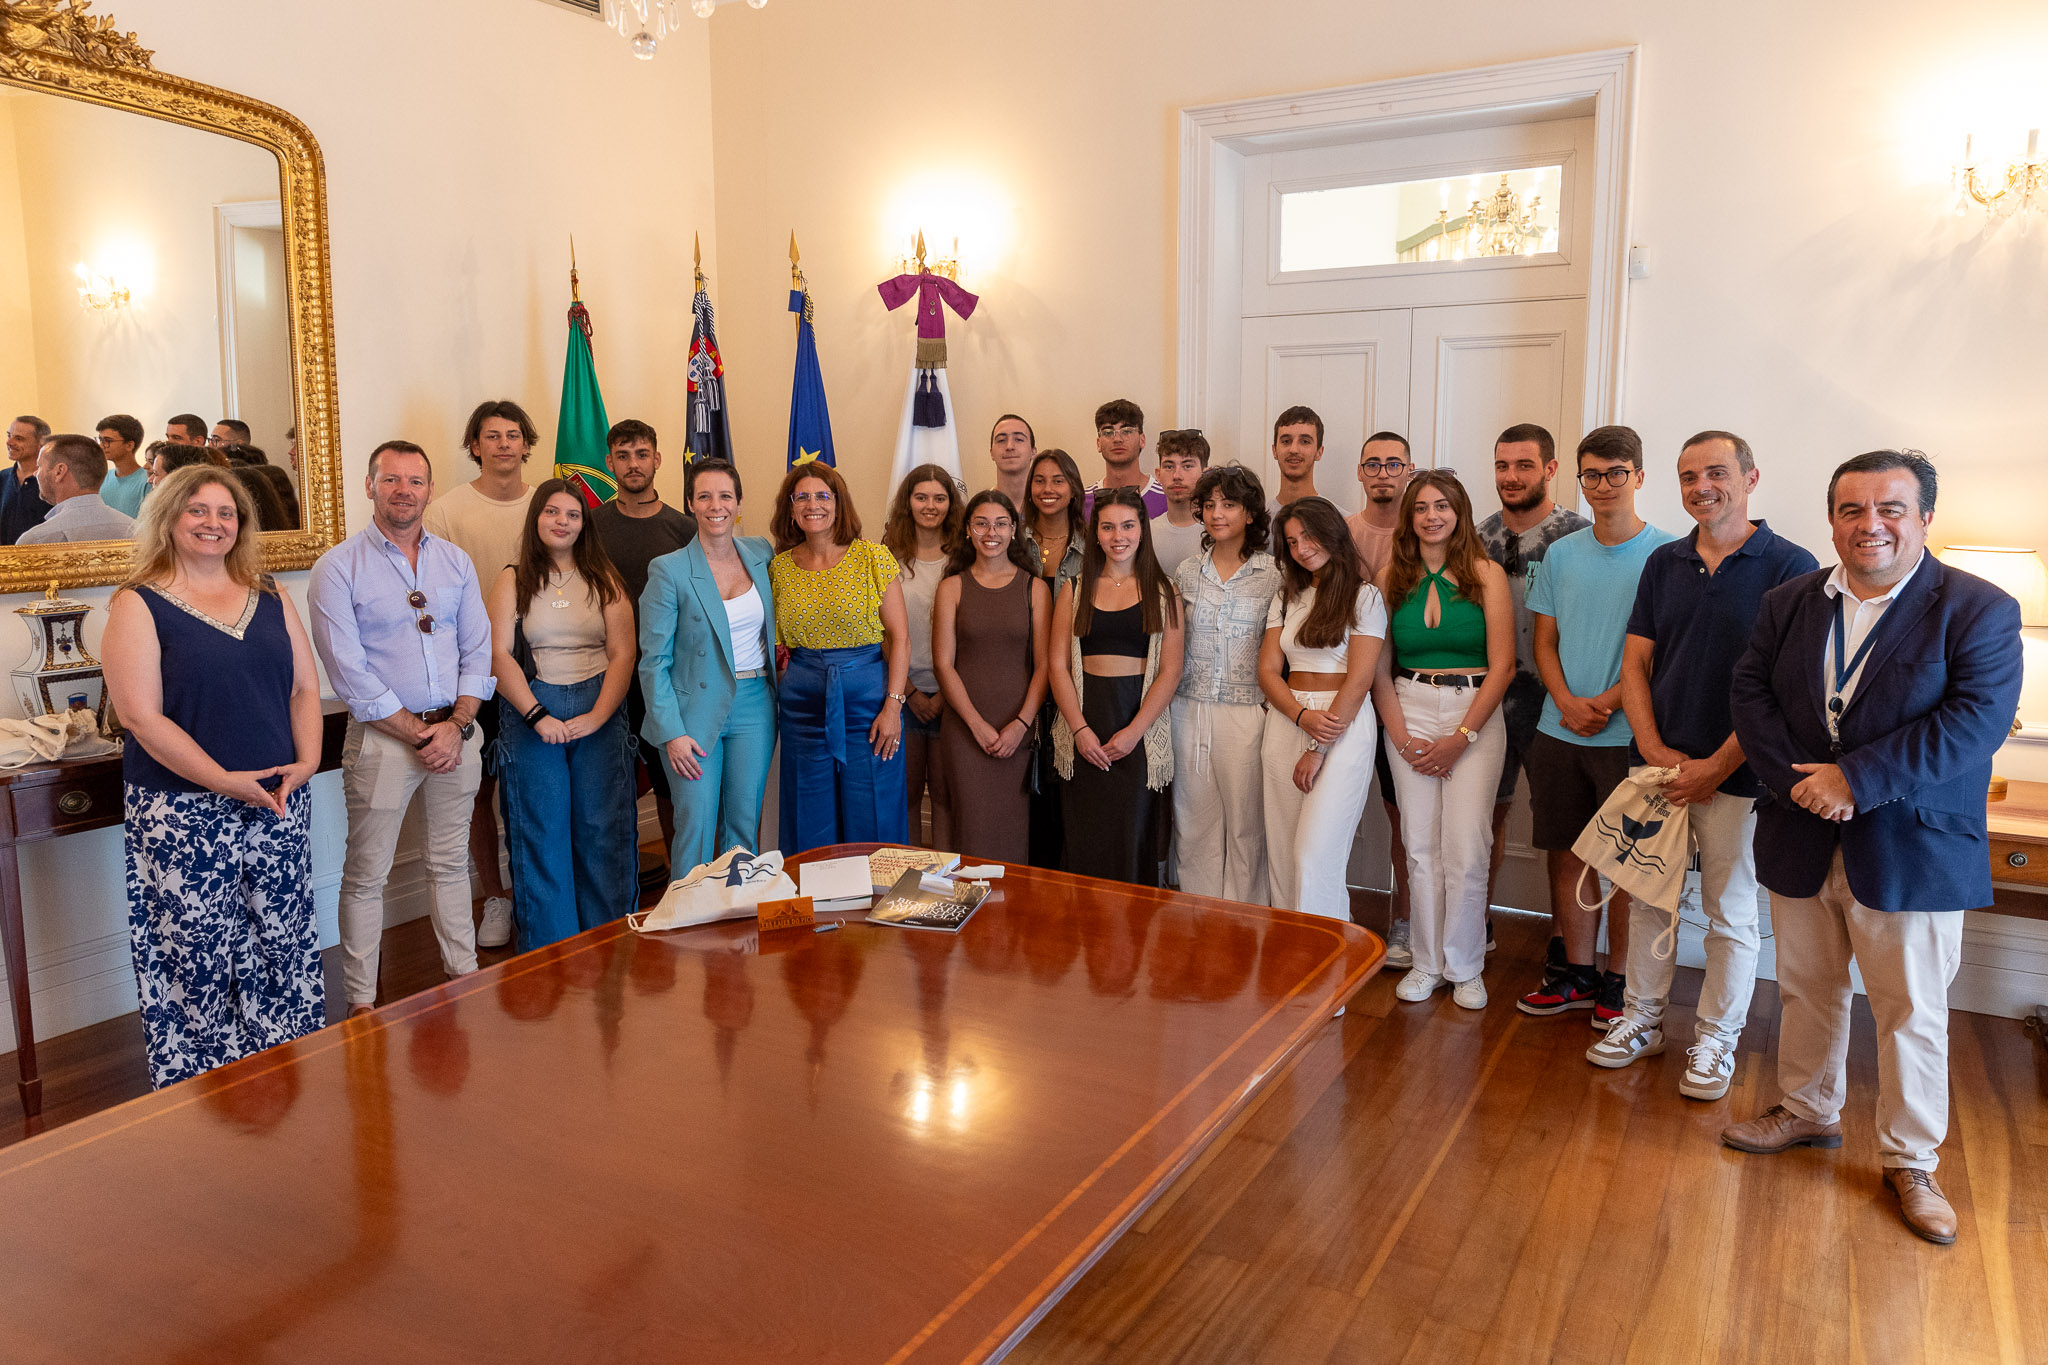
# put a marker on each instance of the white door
(1479, 369)
(1352, 368)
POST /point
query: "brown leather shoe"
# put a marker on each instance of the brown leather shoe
(1922, 1204)
(1777, 1129)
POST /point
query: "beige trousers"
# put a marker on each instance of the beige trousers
(379, 776)
(1908, 958)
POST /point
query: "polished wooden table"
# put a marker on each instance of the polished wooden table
(48, 801)
(865, 1145)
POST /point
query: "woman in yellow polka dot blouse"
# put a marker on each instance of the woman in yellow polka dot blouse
(839, 609)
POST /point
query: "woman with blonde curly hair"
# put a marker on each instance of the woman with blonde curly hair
(213, 676)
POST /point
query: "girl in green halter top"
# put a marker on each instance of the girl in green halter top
(1455, 644)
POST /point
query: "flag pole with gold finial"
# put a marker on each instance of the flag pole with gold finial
(697, 251)
(575, 294)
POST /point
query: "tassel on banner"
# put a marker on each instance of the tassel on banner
(928, 409)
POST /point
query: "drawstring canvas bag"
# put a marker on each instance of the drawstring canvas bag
(729, 886)
(1642, 844)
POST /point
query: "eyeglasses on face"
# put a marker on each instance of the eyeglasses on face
(417, 600)
(1383, 466)
(822, 496)
(983, 526)
(1613, 477)
(1111, 433)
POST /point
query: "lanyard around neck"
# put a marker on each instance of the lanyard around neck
(1845, 669)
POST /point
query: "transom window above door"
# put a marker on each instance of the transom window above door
(1471, 216)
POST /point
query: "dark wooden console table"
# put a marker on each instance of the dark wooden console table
(48, 801)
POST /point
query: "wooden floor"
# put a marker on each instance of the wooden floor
(1428, 1184)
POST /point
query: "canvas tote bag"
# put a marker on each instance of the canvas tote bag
(731, 885)
(1642, 844)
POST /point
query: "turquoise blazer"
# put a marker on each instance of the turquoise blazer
(686, 658)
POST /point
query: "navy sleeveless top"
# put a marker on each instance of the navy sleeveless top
(226, 685)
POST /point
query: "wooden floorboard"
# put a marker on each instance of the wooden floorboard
(1428, 1184)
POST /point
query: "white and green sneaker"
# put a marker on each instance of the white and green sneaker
(1627, 1039)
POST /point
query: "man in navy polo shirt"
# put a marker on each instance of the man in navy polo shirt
(1696, 604)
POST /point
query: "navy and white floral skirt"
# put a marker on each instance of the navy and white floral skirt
(220, 917)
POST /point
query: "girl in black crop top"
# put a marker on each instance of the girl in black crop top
(1115, 662)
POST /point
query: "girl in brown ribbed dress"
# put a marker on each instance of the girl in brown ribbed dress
(989, 627)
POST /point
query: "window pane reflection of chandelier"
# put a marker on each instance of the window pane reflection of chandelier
(1496, 226)
(646, 23)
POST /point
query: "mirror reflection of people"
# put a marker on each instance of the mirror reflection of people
(567, 768)
(120, 437)
(21, 501)
(839, 609)
(637, 528)
(214, 678)
(70, 472)
(485, 519)
(277, 502)
(187, 429)
(399, 621)
(229, 431)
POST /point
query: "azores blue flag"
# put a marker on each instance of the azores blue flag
(810, 424)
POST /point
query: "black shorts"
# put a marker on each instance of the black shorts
(1568, 783)
(1520, 710)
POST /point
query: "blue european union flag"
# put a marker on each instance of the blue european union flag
(810, 423)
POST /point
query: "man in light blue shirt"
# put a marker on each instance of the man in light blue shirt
(399, 623)
(1581, 595)
(120, 437)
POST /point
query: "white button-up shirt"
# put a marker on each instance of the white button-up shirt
(1226, 622)
(1857, 624)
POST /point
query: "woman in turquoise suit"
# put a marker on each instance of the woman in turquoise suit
(707, 668)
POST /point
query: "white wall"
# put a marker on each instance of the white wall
(465, 141)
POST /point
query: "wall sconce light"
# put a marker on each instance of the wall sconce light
(2016, 189)
(100, 293)
(914, 262)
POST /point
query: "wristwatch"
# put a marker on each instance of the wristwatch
(900, 698)
(1471, 736)
(467, 731)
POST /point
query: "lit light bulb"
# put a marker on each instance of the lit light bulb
(703, 9)
(757, 4)
(643, 45)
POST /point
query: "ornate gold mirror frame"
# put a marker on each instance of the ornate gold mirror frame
(56, 47)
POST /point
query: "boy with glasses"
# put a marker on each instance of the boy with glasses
(1581, 603)
(1120, 440)
(1517, 538)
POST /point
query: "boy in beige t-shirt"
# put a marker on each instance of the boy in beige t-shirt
(485, 520)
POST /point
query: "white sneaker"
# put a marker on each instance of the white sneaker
(1417, 985)
(1470, 994)
(1627, 1038)
(1399, 954)
(1709, 1067)
(496, 930)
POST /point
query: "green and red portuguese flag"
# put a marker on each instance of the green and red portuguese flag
(579, 435)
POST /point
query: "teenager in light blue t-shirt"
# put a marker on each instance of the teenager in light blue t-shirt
(1581, 596)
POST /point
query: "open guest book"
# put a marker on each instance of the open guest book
(887, 865)
(922, 900)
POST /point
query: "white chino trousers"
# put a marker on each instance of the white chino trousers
(1908, 958)
(1219, 816)
(1309, 834)
(379, 775)
(1447, 828)
(1722, 830)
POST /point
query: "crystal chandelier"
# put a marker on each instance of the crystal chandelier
(2018, 187)
(646, 23)
(1500, 226)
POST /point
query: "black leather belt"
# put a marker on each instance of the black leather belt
(437, 715)
(1442, 679)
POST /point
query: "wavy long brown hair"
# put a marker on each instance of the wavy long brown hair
(1462, 556)
(965, 552)
(155, 558)
(1156, 594)
(1071, 472)
(1336, 583)
(899, 532)
(534, 564)
(845, 519)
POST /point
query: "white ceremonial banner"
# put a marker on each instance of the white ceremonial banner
(916, 445)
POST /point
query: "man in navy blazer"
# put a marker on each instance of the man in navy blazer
(1870, 702)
